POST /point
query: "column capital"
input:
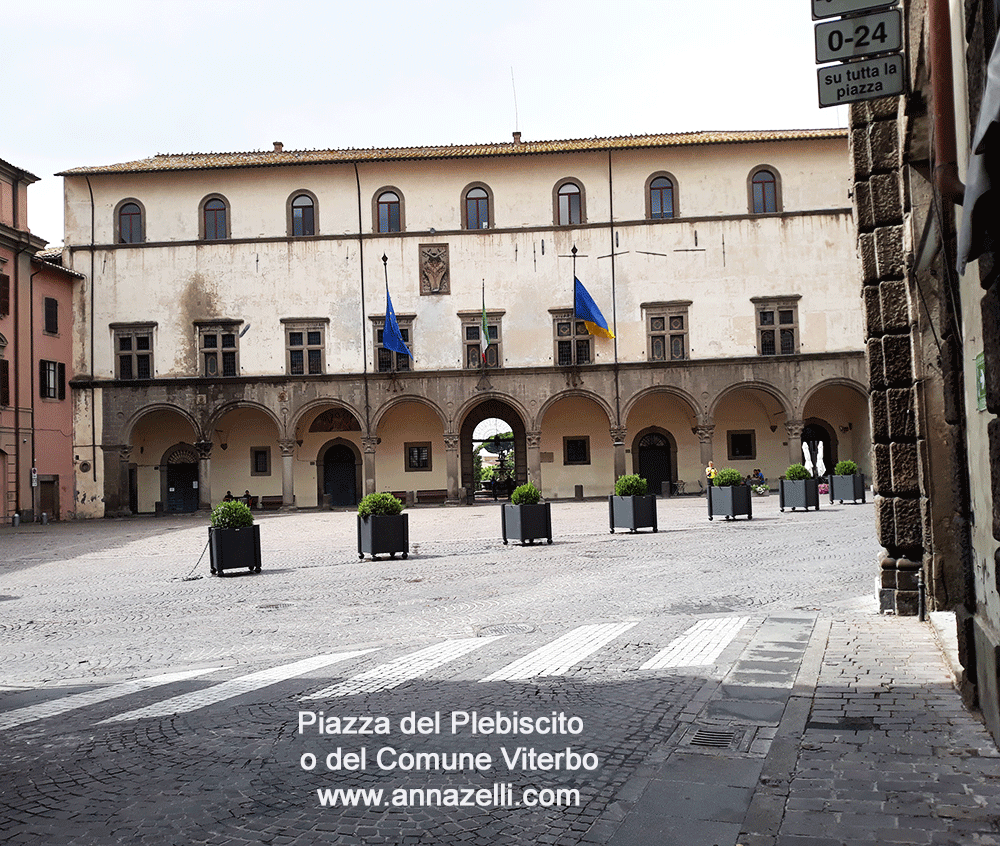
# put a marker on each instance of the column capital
(204, 449)
(704, 433)
(368, 445)
(452, 441)
(794, 428)
(533, 439)
(287, 446)
(618, 434)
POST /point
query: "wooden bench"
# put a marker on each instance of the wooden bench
(437, 496)
(271, 502)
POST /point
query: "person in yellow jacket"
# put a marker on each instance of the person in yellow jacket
(711, 472)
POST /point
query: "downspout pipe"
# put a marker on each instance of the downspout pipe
(93, 374)
(34, 462)
(946, 179)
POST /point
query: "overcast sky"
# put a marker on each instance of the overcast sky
(92, 82)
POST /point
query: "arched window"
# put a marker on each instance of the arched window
(765, 194)
(130, 223)
(215, 219)
(477, 209)
(303, 216)
(661, 198)
(569, 204)
(389, 216)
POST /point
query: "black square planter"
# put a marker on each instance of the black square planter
(231, 549)
(383, 533)
(632, 512)
(850, 488)
(526, 523)
(729, 502)
(798, 493)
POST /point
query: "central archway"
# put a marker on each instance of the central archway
(338, 473)
(484, 411)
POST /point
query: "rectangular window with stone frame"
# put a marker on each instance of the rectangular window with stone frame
(574, 345)
(667, 330)
(472, 332)
(386, 360)
(218, 348)
(418, 456)
(305, 346)
(260, 461)
(777, 324)
(133, 344)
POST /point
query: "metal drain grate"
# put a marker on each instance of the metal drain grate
(714, 738)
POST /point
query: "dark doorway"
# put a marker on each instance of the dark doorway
(133, 488)
(655, 461)
(501, 411)
(182, 488)
(815, 433)
(48, 497)
(340, 475)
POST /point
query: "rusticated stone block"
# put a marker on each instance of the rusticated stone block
(883, 141)
(876, 364)
(864, 212)
(889, 252)
(878, 414)
(884, 108)
(909, 526)
(860, 152)
(873, 310)
(902, 424)
(882, 470)
(895, 305)
(907, 603)
(897, 361)
(859, 115)
(885, 522)
(991, 346)
(906, 574)
(869, 262)
(904, 469)
(886, 203)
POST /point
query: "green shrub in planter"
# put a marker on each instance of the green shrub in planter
(526, 494)
(797, 473)
(231, 515)
(379, 504)
(728, 477)
(233, 538)
(631, 485)
(845, 468)
(798, 489)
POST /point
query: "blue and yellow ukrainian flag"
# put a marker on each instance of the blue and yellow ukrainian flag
(587, 311)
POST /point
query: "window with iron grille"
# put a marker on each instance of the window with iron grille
(777, 325)
(51, 316)
(418, 456)
(134, 351)
(305, 347)
(260, 461)
(576, 450)
(218, 349)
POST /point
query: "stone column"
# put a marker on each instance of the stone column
(368, 448)
(287, 447)
(204, 474)
(451, 445)
(618, 435)
(704, 434)
(794, 430)
(534, 443)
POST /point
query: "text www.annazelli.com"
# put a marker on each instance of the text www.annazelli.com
(499, 795)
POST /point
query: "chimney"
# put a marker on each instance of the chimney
(278, 146)
(517, 137)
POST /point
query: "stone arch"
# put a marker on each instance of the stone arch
(474, 413)
(333, 477)
(646, 468)
(669, 390)
(179, 477)
(386, 407)
(322, 404)
(223, 410)
(764, 387)
(128, 427)
(581, 394)
(838, 381)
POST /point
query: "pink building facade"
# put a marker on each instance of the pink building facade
(36, 412)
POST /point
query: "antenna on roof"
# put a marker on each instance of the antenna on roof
(517, 125)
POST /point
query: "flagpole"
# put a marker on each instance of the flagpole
(614, 301)
(385, 324)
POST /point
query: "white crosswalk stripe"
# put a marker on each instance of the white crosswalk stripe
(405, 668)
(557, 657)
(20, 716)
(235, 687)
(699, 646)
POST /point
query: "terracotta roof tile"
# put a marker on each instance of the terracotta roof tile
(275, 158)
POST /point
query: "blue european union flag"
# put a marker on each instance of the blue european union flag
(392, 339)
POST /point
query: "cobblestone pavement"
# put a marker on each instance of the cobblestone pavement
(715, 682)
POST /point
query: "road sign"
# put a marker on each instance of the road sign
(866, 80)
(835, 8)
(854, 38)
